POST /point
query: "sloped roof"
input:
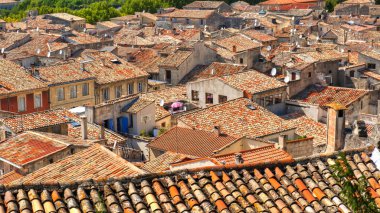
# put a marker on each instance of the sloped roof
(195, 14)
(276, 186)
(322, 95)
(236, 119)
(162, 162)
(182, 140)
(96, 163)
(204, 4)
(252, 81)
(240, 42)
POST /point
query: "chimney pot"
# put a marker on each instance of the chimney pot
(238, 158)
(102, 131)
(84, 127)
(217, 131)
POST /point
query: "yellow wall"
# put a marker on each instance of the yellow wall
(124, 85)
(72, 102)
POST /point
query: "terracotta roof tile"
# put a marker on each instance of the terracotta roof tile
(322, 95)
(96, 162)
(178, 139)
(196, 14)
(252, 81)
(10, 177)
(162, 162)
(241, 42)
(236, 119)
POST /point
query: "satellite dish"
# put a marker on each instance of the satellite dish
(38, 51)
(84, 30)
(350, 22)
(17, 31)
(287, 79)
(342, 50)
(2, 50)
(293, 18)
(105, 35)
(300, 36)
(273, 71)
(48, 55)
(269, 48)
(162, 102)
(37, 29)
(60, 52)
(317, 38)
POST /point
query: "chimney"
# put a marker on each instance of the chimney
(282, 142)
(102, 131)
(335, 127)
(82, 66)
(217, 131)
(33, 69)
(4, 55)
(238, 158)
(84, 127)
(234, 48)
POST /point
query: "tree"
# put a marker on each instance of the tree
(355, 192)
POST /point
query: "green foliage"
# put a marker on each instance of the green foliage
(330, 5)
(355, 192)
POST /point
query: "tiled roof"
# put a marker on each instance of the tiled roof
(66, 16)
(10, 177)
(82, 38)
(204, 4)
(28, 147)
(96, 163)
(259, 36)
(182, 140)
(37, 120)
(162, 162)
(307, 185)
(322, 95)
(215, 69)
(306, 126)
(236, 119)
(176, 59)
(252, 81)
(112, 70)
(371, 74)
(139, 105)
(257, 155)
(14, 78)
(148, 60)
(42, 24)
(241, 42)
(195, 14)
(109, 24)
(63, 73)
(10, 38)
(372, 54)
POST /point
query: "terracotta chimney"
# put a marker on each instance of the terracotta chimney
(84, 127)
(234, 48)
(335, 127)
(102, 131)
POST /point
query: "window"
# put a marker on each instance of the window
(37, 100)
(194, 95)
(330, 71)
(118, 91)
(277, 98)
(209, 98)
(309, 74)
(21, 103)
(130, 89)
(140, 87)
(241, 60)
(202, 22)
(73, 91)
(61, 94)
(187, 21)
(106, 94)
(294, 76)
(51, 161)
(130, 122)
(72, 150)
(340, 113)
(168, 76)
(222, 98)
(352, 73)
(269, 100)
(85, 89)
(371, 66)
(163, 124)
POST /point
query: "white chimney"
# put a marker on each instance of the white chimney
(217, 131)
(84, 127)
(282, 142)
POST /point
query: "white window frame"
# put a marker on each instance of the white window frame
(19, 108)
(37, 104)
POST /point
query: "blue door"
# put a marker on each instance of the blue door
(123, 125)
(110, 124)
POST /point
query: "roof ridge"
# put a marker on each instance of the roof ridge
(247, 150)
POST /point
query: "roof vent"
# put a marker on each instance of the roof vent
(251, 107)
